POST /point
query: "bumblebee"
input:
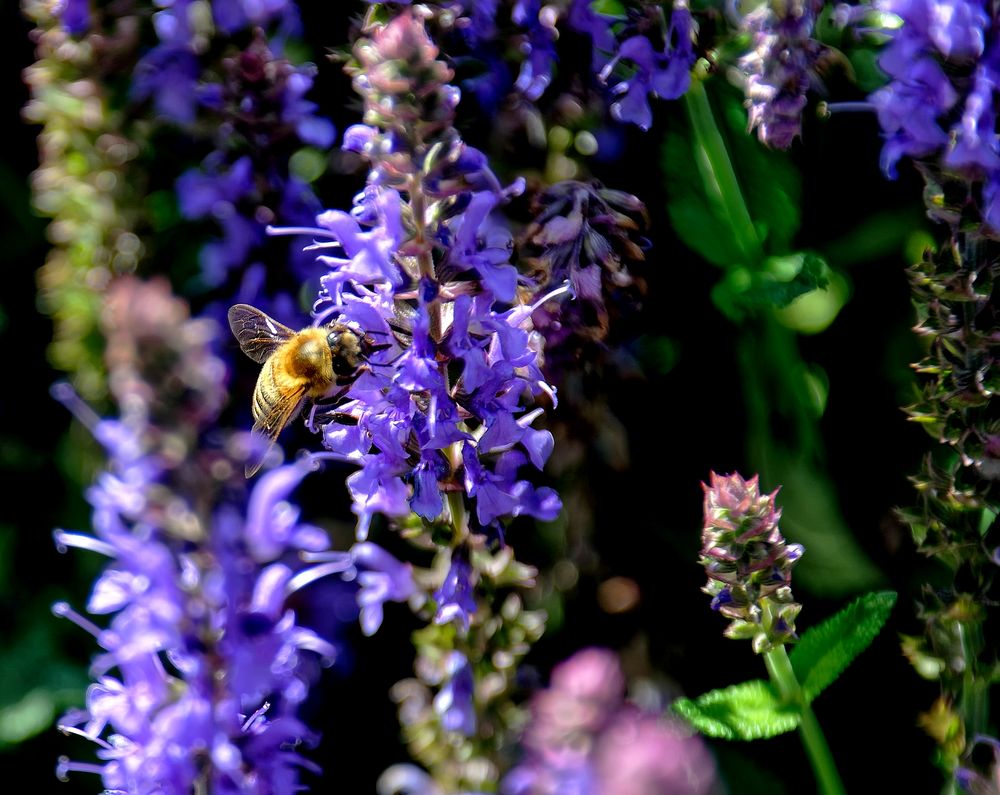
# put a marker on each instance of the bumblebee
(297, 366)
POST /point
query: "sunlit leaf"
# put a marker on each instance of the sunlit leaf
(769, 184)
(826, 650)
(747, 711)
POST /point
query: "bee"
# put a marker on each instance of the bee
(297, 366)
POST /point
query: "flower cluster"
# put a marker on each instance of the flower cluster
(513, 41)
(584, 737)
(776, 70)
(203, 664)
(438, 420)
(171, 72)
(647, 55)
(581, 234)
(938, 106)
(447, 418)
(748, 562)
(261, 119)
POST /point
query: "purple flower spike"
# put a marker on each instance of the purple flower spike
(776, 70)
(182, 586)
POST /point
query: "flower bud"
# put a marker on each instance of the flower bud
(748, 562)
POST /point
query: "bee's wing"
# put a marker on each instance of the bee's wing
(258, 334)
(270, 424)
(401, 325)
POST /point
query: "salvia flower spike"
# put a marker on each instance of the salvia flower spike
(748, 562)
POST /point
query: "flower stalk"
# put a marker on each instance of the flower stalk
(779, 667)
(749, 568)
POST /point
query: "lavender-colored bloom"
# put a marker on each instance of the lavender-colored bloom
(455, 598)
(399, 439)
(255, 101)
(942, 58)
(663, 72)
(209, 663)
(168, 74)
(74, 15)
(382, 579)
(980, 775)
(975, 149)
(585, 739)
(381, 576)
(234, 15)
(454, 701)
(642, 754)
(776, 70)
(215, 188)
(908, 111)
(539, 48)
(583, 18)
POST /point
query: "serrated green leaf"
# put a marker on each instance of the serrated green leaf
(826, 650)
(747, 711)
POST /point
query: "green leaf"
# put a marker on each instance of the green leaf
(697, 217)
(826, 650)
(769, 184)
(747, 711)
(32, 715)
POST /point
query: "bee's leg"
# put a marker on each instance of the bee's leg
(344, 383)
(311, 419)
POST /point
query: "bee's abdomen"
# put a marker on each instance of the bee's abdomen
(271, 384)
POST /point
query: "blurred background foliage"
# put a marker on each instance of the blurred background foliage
(793, 363)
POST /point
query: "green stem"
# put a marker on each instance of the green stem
(783, 677)
(974, 696)
(718, 172)
(425, 259)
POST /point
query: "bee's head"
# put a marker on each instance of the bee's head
(345, 349)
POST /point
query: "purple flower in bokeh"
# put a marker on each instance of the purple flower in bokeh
(455, 598)
(382, 579)
(583, 738)
(74, 15)
(210, 663)
(453, 703)
(538, 48)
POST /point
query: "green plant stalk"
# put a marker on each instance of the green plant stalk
(974, 704)
(717, 169)
(783, 677)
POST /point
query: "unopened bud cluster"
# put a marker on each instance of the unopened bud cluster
(748, 562)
